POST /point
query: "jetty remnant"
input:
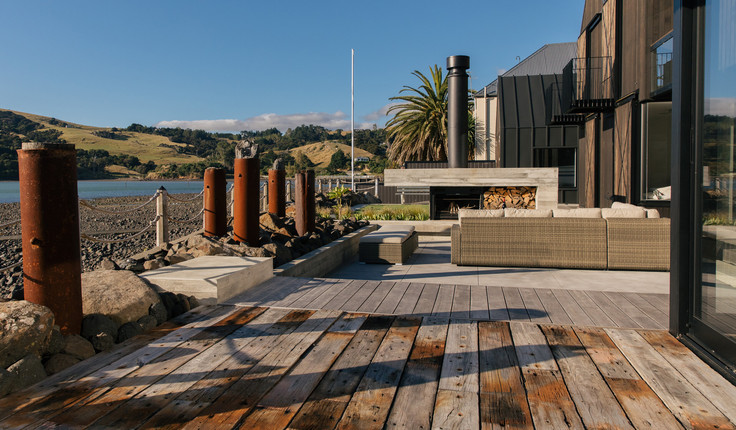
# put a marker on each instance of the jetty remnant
(246, 193)
(277, 189)
(215, 202)
(304, 202)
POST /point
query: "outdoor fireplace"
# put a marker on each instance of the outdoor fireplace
(446, 202)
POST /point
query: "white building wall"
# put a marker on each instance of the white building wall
(485, 128)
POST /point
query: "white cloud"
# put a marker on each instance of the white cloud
(721, 106)
(379, 114)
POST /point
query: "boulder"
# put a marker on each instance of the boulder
(58, 362)
(107, 264)
(271, 222)
(26, 372)
(95, 324)
(25, 328)
(179, 258)
(56, 342)
(158, 311)
(281, 253)
(78, 347)
(102, 342)
(147, 322)
(119, 294)
(7, 382)
(154, 264)
(128, 330)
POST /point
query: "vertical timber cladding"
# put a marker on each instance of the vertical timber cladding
(606, 160)
(586, 193)
(622, 156)
(632, 56)
(608, 24)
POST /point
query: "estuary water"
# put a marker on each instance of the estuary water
(9, 191)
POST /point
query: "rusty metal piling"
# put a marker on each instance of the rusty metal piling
(215, 202)
(304, 202)
(246, 191)
(50, 231)
(277, 192)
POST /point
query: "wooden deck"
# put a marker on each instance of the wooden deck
(476, 302)
(271, 368)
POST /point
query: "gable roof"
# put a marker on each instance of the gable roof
(550, 59)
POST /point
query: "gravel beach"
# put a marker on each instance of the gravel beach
(122, 223)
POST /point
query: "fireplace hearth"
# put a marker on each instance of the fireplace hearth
(446, 202)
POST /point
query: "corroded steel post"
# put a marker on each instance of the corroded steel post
(246, 191)
(311, 214)
(304, 202)
(49, 209)
(277, 192)
(215, 202)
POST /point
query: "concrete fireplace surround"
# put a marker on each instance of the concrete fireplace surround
(545, 179)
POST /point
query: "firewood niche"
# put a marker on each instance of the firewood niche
(510, 197)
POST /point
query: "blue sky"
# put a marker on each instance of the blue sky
(230, 65)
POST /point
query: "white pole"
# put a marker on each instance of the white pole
(352, 119)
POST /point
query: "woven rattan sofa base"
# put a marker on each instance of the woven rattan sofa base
(639, 244)
(391, 253)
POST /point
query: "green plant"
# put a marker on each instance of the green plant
(338, 194)
(394, 212)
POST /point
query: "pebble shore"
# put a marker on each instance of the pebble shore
(121, 224)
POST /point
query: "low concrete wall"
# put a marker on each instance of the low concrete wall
(327, 258)
(424, 228)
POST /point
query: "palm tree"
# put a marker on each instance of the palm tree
(418, 129)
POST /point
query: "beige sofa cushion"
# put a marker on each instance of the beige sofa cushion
(652, 213)
(389, 234)
(623, 213)
(577, 213)
(621, 205)
(527, 213)
(480, 213)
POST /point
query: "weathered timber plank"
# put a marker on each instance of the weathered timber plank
(93, 385)
(314, 292)
(258, 293)
(659, 301)
(713, 386)
(289, 296)
(260, 337)
(555, 312)
(456, 410)
(443, 304)
(280, 289)
(328, 401)
(426, 301)
(154, 387)
(336, 288)
(369, 406)
(660, 317)
(596, 404)
(497, 309)
(549, 401)
(17, 401)
(392, 299)
(534, 307)
(594, 312)
(641, 404)
(460, 364)
(278, 407)
(360, 296)
(106, 403)
(374, 300)
(242, 396)
(515, 304)
(679, 395)
(461, 302)
(415, 398)
(409, 300)
(619, 318)
(339, 300)
(503, 401)
(572, 308)
(632, 311)
(479, 303)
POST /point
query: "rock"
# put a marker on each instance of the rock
(158, 311)
(154, 264)
(133, 265)
(194, 302)
(95, 324)
(78, 347)
(284, 233)
(128, 330)
(56, 342)
(182, 305)
(252, 251)
(147, 322)
(59, 362)
(7, 382)
(169, 301)
(281, 253)
(26, 372)
(179, 258)
(271, 222)
(119, 294)
(102, 342)
(25, 328)
(206, 246)
(107, 264)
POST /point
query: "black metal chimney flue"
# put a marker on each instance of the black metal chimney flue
(457, 110)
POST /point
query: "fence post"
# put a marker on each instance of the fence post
(339, 183)
(49, 208)
(162, 215)
(376, 191)
(319, 185)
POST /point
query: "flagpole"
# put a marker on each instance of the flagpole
(352, 119)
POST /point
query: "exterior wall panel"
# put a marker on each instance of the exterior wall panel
(622, 152)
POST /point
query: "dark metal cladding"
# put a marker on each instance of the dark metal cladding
(246, 189)
(457, 110)
(277, 192)
(215, 202)
(304, 202)
(49, 209)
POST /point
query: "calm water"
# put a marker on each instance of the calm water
(9, 191)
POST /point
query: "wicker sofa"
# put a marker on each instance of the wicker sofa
(389, 244)
(614, 239)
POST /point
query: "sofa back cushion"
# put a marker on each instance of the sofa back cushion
(623, 213)
(577, 213)
(480, 213)
(527, 213)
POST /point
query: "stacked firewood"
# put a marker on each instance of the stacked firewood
(510, 197)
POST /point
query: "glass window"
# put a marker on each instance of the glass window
(662, 64)
(656, 143)
(562, 158)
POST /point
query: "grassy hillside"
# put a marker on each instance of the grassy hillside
(321, 152)
(147, 147)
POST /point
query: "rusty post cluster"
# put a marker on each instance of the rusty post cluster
(215, 202)
(277, 192)
(304, 202)
(246, 190)
(49, 209)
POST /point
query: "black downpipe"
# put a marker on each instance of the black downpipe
(457, 110)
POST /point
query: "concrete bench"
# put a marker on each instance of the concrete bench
(211, 279)
(393, 244)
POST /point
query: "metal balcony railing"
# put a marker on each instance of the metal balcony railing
(592, 84)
